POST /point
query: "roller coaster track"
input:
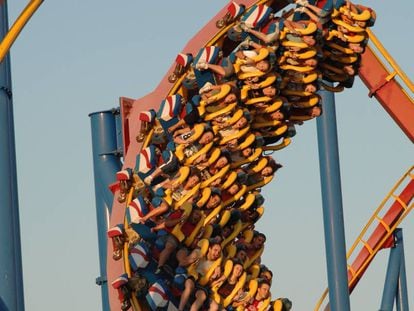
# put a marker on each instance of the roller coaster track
(377, 234)
(18, 26)
(381, 84)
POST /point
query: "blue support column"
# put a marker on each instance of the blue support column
(332, 205)
(11, 275)
(119, 140)
(106, 163)
(402, 291)
(394, 289)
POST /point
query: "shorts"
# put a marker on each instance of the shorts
(171, 162)
(170, 239)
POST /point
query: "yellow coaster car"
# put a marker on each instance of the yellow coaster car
(362, 16)
(230, 179)
(309, 53)
(351, 28)
(262, 123)
(286, 142)
(253, 285)
(224, 111)
(302, 77)
(180, 153)
(300, 45)
(177, 204)
(190, 239)
(334, 89)
(269, 80)
(308, 102)
(205, 195)
(260, 184)
(277, 131)
(257, 152)
(179, 178)
(355, 38)
(340, 48)
(213, 155)
(239, 133)
(236, 197)
(213, 178)
(306, 31)
(236, 230)
(250, 139)
(213, 214)
(297, 68)
(263, 53)
(276, 105)
(247, 75)
(342, 58)
(226, 301)
(248, 201)
(224, 91)
(230, 121)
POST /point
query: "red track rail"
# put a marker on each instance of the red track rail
(388, 92)
(376, 239)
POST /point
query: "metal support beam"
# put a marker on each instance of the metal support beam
(106, 163)
(11, 275)
(402, 291)
(119, 140)
(332, 205)
(395, 285)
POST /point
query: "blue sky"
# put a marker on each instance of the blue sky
(77, 57)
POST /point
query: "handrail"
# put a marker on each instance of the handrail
(378, 210)
(356, 274)
(18, 26)
(375, 41)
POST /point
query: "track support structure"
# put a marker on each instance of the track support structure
(395, 285)
(11, 274)
(106, 162)
(333, 218)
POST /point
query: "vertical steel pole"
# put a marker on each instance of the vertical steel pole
(402, 291)
(332, 205)
(393, 276)
(119, 140)
(106, 163)
(11, 274)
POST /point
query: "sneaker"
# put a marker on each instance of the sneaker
(302, 2)
(159, 270)
(300, 9)
(201, 65)
(148, 180)
(246, 43)
(244, 27)
(206, 88)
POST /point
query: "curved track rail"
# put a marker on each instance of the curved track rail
(18, 26)
(378, 232)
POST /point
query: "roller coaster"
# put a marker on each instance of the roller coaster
(231, 37)
(172, 168)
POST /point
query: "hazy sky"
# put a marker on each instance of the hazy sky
(77, 57)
